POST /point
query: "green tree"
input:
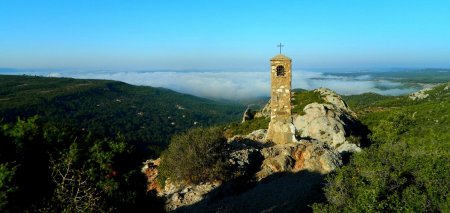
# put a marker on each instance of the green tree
(58, 169)
(7, 186)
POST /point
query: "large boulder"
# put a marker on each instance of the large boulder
(183, 195)
(332, 122)
(313, 156)
(245, 155)
(327, 123)
(333, 98)
(255, 136)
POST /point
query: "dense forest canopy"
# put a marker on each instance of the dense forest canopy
(146, 116)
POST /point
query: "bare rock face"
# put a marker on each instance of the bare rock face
(150, 169)
(182, 195)
(245, 156)
(333, 98)
(326, 123)
(255, 136)
(175, 194)
(330, 122)
(313, 156)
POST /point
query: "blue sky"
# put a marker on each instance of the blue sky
(223, 35)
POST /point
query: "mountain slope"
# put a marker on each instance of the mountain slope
(143, 114)
(406, 168)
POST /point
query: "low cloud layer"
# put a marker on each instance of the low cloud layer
(243, 85)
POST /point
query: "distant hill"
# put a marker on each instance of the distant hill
(413, 76)
(145, 115)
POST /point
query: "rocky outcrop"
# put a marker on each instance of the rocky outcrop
(257, 135)
(182, 195)
(331, 122)
(419, 95)
(327, 123)
(175, 194)
(321, 135)
(333, 98)
(150, 169)
(250, 159)
(245, 154)
(313, 156)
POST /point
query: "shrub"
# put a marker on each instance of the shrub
(389, 178)
(44, 168)
(195, 156)
(390, 129)
(6, 186)
(301, 99)
(247, 127)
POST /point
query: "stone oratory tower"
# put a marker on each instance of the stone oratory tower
(281, 129)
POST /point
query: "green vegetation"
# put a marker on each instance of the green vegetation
(146, 116)
(247, 127)
(84, 151)
(302, 98)
(407, 166)
(49, 168)
(196, 156)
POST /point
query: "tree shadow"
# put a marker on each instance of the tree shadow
(356, 128)
(280, 192)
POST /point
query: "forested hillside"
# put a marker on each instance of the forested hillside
(70, 145)
(406, 168)
(144, 115)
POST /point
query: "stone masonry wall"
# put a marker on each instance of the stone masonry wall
(281, 130)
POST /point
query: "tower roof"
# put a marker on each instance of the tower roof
(281, 57)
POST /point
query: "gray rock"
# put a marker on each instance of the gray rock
(183, 195)
(313, 156)
(255, 136)
(326, 123)
(333, 98)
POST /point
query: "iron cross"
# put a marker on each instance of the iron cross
(280, 46)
